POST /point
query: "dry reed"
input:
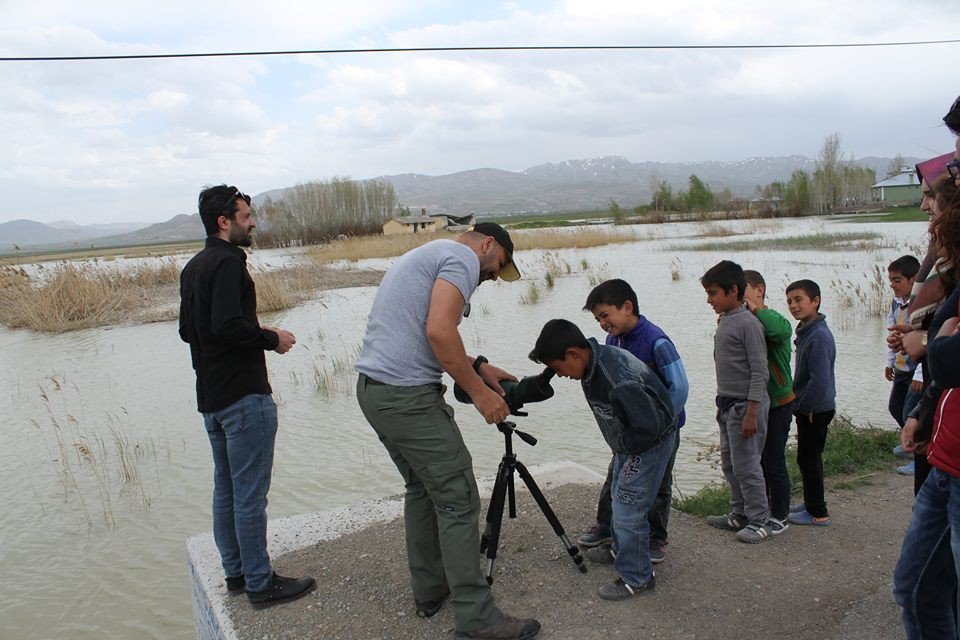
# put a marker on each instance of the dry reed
(73, 296)
(364, 247)
(97, 466)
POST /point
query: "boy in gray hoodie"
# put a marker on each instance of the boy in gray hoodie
(740, 357)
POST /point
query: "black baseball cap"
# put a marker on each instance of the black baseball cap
(509, 273)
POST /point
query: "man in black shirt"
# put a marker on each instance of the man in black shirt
(218, 318)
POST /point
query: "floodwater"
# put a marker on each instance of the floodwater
(106, 467)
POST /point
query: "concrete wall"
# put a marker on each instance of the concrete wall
(209, 591)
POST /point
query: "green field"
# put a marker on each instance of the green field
(896, 214)
(542, 220)
(131, 251)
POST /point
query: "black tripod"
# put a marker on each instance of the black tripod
(504, 488)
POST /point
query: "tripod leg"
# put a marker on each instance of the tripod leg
(541, 500)
(490, 539)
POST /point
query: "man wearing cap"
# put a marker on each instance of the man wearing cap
(411, 339)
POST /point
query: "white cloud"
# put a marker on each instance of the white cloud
(97, 134)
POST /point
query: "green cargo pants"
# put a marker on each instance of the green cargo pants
(442, 506)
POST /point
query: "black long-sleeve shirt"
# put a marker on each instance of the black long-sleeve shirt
(218, 318)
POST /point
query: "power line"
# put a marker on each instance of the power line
(627, 47)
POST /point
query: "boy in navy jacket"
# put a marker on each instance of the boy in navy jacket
(815, 388)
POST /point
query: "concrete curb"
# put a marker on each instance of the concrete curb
(209, 593)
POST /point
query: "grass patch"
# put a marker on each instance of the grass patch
(549, 219)
(850, 451)
(93, 251)
(898, 214)
(541, 224)
(820, 241)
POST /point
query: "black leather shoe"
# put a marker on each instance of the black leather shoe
(236, 585)
(429, 608)
(281, 590)
(503, 628)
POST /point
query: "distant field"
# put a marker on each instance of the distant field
(137, 251)
(540, 220)
(898, 214)
(822, 241)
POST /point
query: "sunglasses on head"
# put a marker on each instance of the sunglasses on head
(953, 168)
(234, 194)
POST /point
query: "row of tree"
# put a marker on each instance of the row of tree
(836, 181)
(318, 211)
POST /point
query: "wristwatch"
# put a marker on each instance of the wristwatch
(479, 361)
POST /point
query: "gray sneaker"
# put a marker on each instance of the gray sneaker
(601, 555)
(594, 536)
(728, 522)
(755, 532)
(620, 590)
(503, 628)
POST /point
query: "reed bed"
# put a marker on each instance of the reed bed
(580, 239)
(365, 247)
(72, 296)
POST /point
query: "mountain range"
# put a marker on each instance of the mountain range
(572, 185)
(590, 184)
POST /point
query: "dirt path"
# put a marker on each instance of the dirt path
(818, 583)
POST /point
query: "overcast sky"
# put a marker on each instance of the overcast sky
(109, 141)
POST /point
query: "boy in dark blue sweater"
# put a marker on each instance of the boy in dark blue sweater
(815, 388)
(615, 307)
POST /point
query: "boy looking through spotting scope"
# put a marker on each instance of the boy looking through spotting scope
(636, 418)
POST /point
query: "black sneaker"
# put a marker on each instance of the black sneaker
(281, 590)
(429, 608)
(728, 522)
(594, 536)
(236, 585)
(658, 551)
(503, 628)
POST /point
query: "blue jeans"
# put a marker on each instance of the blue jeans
(774, 460)
(659, 516)
(636, 480)
(925, 580)
(242, 438)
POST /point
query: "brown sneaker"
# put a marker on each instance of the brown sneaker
(503, 628)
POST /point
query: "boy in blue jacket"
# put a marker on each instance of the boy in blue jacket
(636, 417)
(614, 305)
(815, 388)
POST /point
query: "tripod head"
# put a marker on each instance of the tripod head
(509, 428)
